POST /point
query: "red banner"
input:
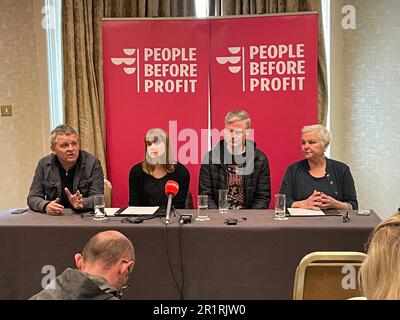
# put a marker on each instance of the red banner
(267, 66)
(162, 72)
(155, 75)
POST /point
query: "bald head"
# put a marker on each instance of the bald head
(108, 248)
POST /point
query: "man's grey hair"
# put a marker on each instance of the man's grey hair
(61, 129)
(323, 134)
(238, 115)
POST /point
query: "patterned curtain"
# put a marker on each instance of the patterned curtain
(83, 59)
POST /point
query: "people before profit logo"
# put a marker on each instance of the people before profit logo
(275, 67)
(130, 61)
(233, 61)
(161, 70)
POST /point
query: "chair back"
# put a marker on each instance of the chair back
(107, 193)
(328, 275)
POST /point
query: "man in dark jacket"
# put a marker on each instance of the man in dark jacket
(237, 165)
(104, 269)
(67, 178)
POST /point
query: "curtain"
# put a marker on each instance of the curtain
(245, 7)
(83, 60)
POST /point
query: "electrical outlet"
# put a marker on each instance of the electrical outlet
(6, 110)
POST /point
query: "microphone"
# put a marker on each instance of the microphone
(171, 189)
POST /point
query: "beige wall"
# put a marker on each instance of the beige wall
(23, 84)
(336, 89)
(365, 100)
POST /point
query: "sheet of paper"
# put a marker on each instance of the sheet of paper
(110, 211)
(132, 211)
(298, 212)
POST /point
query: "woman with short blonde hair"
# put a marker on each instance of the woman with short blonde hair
(379, 275)
(317, 182)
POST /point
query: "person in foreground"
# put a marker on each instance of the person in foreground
(237, 165)
(379, 275)
(104, 269)
(67, 178)
(147, 178)
(317, 182)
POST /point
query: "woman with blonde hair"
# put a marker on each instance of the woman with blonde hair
(317, 182)
(379, 275)
(147, 179)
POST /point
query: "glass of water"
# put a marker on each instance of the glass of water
(202, 208)
(223, 201)
(280, 207)
(99, 204)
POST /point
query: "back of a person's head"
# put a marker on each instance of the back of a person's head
(380, 272)
(108, 248)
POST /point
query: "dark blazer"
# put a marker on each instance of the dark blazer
(338, 182)
(257, 184)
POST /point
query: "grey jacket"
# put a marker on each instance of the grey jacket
(46, 184)
(73, 284)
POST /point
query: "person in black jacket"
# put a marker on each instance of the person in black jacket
(104, 269)
(317, 182)
(147, 178)
(67, 178)
(237, 165)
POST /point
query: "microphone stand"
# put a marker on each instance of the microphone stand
(168, 212)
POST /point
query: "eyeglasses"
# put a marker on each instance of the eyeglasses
(346, 217)
(127, 220)
(128, 281)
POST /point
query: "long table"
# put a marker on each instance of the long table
(255, 259)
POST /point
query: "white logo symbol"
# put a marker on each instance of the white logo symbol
(233, 60)
(128, 62)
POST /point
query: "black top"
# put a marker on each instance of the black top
(298, 184)
(145, 190)
(67, 181)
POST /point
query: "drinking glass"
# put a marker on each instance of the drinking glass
(280, 206)
(99, 204)
(223, 201)
(202, 208)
